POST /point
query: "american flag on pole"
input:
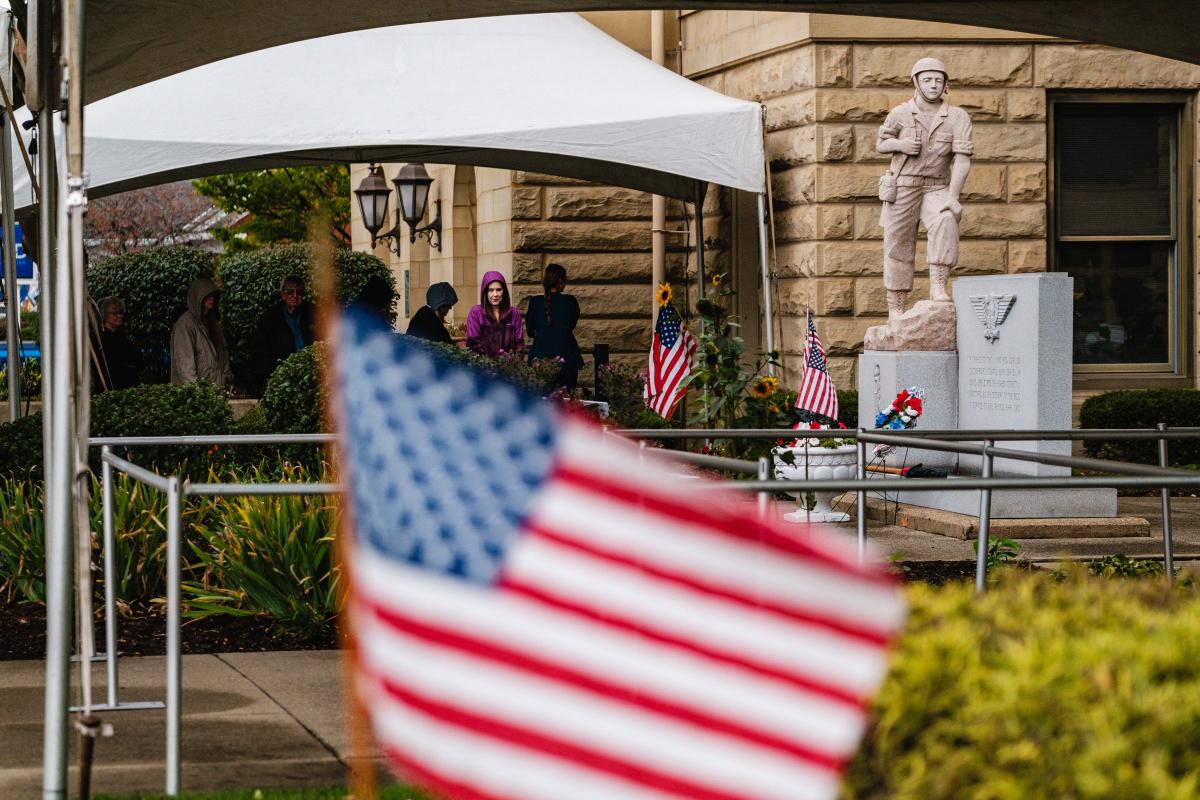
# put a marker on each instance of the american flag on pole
(671, 355)
(541, 615)
(817, 394)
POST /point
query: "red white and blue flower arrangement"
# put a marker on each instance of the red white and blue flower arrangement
(901, 415)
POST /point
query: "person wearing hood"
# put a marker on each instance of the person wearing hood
(198, 350)
(494, 326)
(430, 320)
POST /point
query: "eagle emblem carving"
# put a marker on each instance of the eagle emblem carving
(991, 310)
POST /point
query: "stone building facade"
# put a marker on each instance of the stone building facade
(1084, 161)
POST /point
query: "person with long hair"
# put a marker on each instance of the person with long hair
(550, 323)
(494, 326)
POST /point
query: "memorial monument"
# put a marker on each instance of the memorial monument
(995, 356)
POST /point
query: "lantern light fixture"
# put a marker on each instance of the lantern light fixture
(412, 185)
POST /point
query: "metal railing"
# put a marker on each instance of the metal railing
(177, 491)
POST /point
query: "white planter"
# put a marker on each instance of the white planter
(822, 464)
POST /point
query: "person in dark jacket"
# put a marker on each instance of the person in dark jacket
(116, 360)
(550, 323)
(378, 296)
(285, 327)
(430, 320)
(494, 326)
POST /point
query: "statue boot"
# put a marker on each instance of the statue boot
(939, 277)
(895, 303)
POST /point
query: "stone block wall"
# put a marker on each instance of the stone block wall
(824, 102)
(601, 234)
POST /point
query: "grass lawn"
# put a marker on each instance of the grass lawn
(383, 793)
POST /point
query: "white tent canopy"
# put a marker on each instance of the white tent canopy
(549, 93)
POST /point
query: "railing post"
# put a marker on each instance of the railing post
(174, 698)
(985, 521)
(764, 473)
(1168, 550)
(110, 577)
(861, 518)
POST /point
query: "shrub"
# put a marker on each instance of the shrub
(165, 410)
(268, 555)
(622, 386)
(21, 447)
(31, 379)
(1086, 688)
(22, 541)
(1142, 408)
(250, 283)
(848, 407)
(295, 395)
(153, 284)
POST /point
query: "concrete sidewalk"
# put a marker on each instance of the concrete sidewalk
(250, 720)
(274, 720)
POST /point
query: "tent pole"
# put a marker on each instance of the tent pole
(56, 311)
(11, 293)
(764, 263)
(658, 203)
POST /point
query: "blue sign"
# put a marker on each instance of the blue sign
(27, 273)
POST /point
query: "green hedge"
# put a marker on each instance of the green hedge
(250, 285)
(848, 407)
(1143, 408)
(1087, 688)
(154, 284)
(147, 410)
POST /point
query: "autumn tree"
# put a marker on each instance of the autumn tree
(144, 218)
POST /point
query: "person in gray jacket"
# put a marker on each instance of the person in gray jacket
(198, 350)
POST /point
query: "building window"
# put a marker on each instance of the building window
(1117, 215)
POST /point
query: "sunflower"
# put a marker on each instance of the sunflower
(764, 387)
(664, 294)
(716, 279)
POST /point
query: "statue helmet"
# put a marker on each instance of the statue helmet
(929, 65)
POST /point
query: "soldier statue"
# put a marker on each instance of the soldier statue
(930, 144)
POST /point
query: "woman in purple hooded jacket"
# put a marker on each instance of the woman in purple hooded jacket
(494, 326)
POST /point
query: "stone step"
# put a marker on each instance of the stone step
(965, 526)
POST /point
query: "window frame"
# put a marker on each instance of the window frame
(1178, 370)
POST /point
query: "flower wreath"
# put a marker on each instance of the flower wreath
(901, 415)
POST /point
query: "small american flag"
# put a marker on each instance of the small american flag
(671, 355)
(541, 615)
(817, 394)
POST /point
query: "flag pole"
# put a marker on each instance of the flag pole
(360, 743)
(807, 344)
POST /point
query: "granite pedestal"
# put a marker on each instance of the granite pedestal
(881, 376)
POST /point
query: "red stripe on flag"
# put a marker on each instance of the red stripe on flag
(790, 614)
(559, 748)
(631, 697)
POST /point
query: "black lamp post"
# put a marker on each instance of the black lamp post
(412, 184)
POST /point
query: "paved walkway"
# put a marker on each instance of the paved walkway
(265, 720)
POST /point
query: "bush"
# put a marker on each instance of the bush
(1082, 689)
(250, 283)
(1143, 408)
(31, 379)
(165, 410)
(848, 407)
(153, 284)
(294, 402)
(21, 447)
(271, 555)
(622, 386)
